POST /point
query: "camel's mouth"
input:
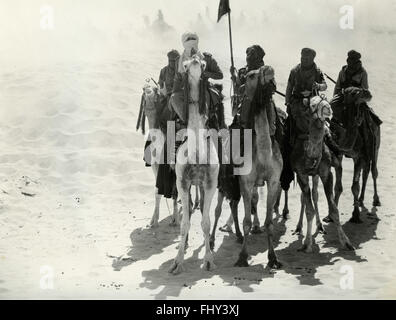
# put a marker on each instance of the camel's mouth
(191, 38)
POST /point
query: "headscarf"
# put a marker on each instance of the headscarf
(307, 58)
(254, 57)
(353, 61)
(190, 41)
(173, 55)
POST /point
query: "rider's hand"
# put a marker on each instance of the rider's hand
(205, 75)
(316, 86)
(163, 91)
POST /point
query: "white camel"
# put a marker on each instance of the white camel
(196, 164)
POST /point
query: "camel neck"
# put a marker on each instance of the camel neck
(263, 138)
(195, 119)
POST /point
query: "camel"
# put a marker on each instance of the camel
(151, 108)
(266, 162)
(311, 157)
(196, 164)
(335, 163)
(363, 162)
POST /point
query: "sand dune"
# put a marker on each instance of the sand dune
(75, 195)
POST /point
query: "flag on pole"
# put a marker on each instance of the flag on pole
(224, 8)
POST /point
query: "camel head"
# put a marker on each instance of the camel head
(194, 67)
(150, 94)
(319, 111)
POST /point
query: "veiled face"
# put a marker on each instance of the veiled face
(307, 60)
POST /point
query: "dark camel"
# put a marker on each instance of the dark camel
(311, 157)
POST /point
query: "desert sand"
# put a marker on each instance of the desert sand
(76, 198)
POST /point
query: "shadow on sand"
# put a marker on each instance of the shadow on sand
(225, 257)
(146, 242)
(305, 265)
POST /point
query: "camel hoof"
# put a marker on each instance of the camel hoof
(355, 219)
(208, 266)
(376, 202)
(305, 248)
(153, 225)
(298, 231)
(274, 264)
(349, 246)
(242, 261)
(176, 268)
(239, 239)
(320, 229)
(256, 230)
(226, 228)
(174, 223)
(211, 244)
(328, 219)
(286, 214)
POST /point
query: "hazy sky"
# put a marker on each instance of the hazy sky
(82, 23)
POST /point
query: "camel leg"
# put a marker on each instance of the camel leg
(256, 222)
(303, 181)
(208, 194)
(155, 218)
(197, 201)
(338, 188)
(366, 171)
(272, 191)
(374, 169)
(246, 191)
(230, 221)
(338, 183)
(355, 190)
(315, 197)
(177, 265)
(374, 173)
(327, 179)
(299, 226)
(176, 216)
(234, 213)
(277, 203)
(285, 211)
(220, 199)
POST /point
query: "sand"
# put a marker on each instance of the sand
(76, 198)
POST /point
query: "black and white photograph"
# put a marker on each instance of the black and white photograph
(197, 150)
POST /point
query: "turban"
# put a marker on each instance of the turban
(189, 36)
(308, 52)
(254, 57)
(173, 55)
(353, 57)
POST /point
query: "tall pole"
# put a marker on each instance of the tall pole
(233, 107)
(230, 32)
